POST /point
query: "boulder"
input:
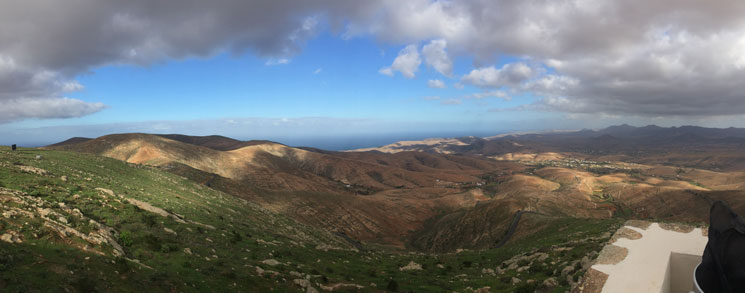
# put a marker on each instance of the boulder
(412, 266)
(270, 262)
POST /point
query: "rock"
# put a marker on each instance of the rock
(296, 274)
(515, 281)
(440, 266)
(44, 212)
(63, 178)
(531, 281)
(7, 238)
(522, 269)
(550, 282)
(567, 270)
(270, 262)
(512, 266)
(412, 266)
(62, 220)
(109, 192)
(541, 256)
(305, 284)
(33, 170)
(187, 251)
(488, 272)
(486, 289)
(169, 231)
(586, 262)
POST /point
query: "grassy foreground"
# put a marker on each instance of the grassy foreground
(85, 223)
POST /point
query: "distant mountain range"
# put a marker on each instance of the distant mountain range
(693, 146)
(391, 195)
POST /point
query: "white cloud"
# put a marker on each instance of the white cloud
(653, 58)
(317, 71)
(492, 94)
(46, 108)
(436, 83)
(407, 62)
(280, 61)
(386, 71)
(512, 74)
(435, 56)
(431, 98)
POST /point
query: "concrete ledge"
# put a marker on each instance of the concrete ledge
(657, 258)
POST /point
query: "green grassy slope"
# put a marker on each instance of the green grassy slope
(177, 235)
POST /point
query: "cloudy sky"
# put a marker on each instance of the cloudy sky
(312, 72)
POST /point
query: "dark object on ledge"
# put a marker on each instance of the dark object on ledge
(722, 267)
(13, 147)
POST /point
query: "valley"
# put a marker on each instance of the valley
(499, 214)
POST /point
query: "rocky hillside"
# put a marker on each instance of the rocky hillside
(368, 196)
(84, 223)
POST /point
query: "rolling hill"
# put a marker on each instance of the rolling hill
(86, 223)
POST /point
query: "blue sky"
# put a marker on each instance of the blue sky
(331, 78)
(339, 74)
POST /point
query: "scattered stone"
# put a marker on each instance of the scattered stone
(187, 251)
(10, 238)
(33, 170)
(540, 256)
(62, 220)
(486, 289)
(169, 231)
(522, 269)
(488, 272)
(515, 281)
(305, 284)
(63, 178)
(550, 282)
(586, 262)
(44, 212)
(412, 266)
(440, 266)
(270, 262)
(109, 192)
(567, 270)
